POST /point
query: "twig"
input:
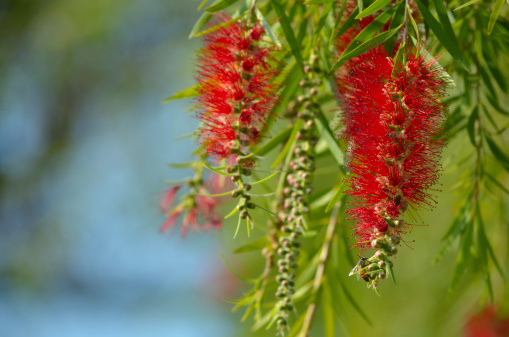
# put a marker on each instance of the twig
(320, 271)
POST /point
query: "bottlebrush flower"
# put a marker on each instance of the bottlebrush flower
(199, 210)
(487, 324)
(393, 120)
(236, 87)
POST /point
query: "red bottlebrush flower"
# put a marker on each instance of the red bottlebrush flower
(393, 125)
(199, 210)
(487, 324)
(236, 88)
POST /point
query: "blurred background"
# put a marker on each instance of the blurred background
(84, 142)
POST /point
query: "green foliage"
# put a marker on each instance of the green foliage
(476, 123)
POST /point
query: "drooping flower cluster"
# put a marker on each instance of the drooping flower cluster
(199, 212)
(236, 88)
(393, 125)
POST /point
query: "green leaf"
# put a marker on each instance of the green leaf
(267, 27)
(220, 5)
(487, 245)
(264, 179)
(337, 196)
(471, 2)
(202, 21)
(235, 272)
(414, 26)
(185, 93)
(364, 47)
(464, 256)
(219, 26)
(317, 2)
(369, 30)
(218, 172)
(232, 213)
(332, 38)
(494, 15)
(495, 181)
(390, 272)
(348, 23)
(494, 103)
(375, 7)
(253, 246)
(327, 135)
(214, 195)
(288, 31)
(203, 3)
(182, 165)
(318, 28)
(397, 19)
(354, 304)
(498, 153)
(273, 142)
(289, 143)
(471, 125)
(447, 39)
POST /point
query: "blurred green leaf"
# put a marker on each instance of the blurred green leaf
(253, 246)
(288, 31)
(494, 15)
(220, 5)
(374, 7)
(291, 140)
(219, 26)
(273, 142)
(202, 21)
(326, 134)
(500, 156)
(471, 2)
(464, 256)
(185, 93)
(364, 47)
(471, 125)
(267, 27)
(447, 39)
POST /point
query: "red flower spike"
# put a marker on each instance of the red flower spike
(393, 125)
(236, 88)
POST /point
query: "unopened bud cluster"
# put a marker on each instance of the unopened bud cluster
(379, 265)
(297, 187)
(242, 167)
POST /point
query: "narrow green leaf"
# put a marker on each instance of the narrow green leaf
(360, 5)
(354, 304)
(220, 5)
(397, 19)
(463, 257)
(203, 3)
(318, 28)
(317, 2)
(444, 19)
(289, 143)
(273, 142)
(267, 27)
(182, 165)
(185, 93)
(348, 23)
(253, 246)
(337, 196)
(235, 272)
(232, 213)
(219, 26)
(215, 195)
(414, 25)
(332, 38)
(487, 245)
(288, 31)
(375, 7)
(390, 272)
(471, 125)
(264, 209)
(495, 181)
(494, 103)
(202, 21)
(264, 179)
(218, 172)
(471, 2)
(369, 44)
(327, 135)
(494, 15)
(448, 41)
(498, 153)
(369, 30)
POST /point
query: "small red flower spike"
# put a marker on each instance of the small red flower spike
(200, 213)
(236, 88)
(487, 324)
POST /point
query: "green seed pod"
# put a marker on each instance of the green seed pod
(394, 239)
(380, 254)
